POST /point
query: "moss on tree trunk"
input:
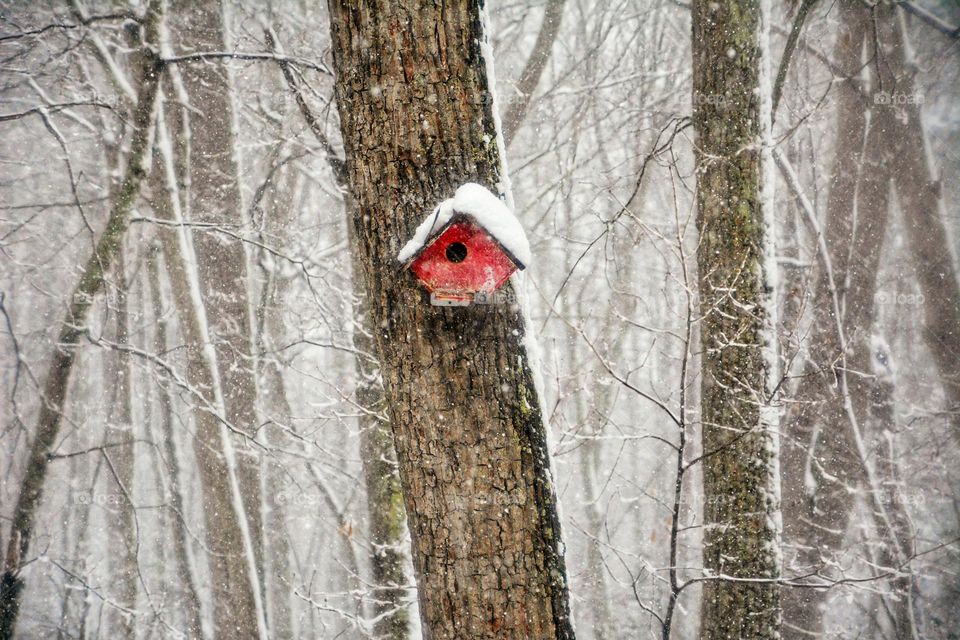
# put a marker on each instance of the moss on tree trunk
(740, 510)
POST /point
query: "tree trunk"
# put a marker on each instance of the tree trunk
(212, 196)
(825, 461)
(741, 539)
(533, 69)
(803, 443)
(122, 517)
(72, 329)
(385, 512)
(470, 439)
(237, 610)
(187, 581)
(920, 194)
(276, 416)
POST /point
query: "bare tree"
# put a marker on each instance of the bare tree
(741, 509)
(533, 69)
(844, 399)
(73, 326)
(211, 195)
(237, 607)
(468, 428)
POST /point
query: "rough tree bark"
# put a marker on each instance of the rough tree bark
(72, 329)
(741, 537)
(470, 439)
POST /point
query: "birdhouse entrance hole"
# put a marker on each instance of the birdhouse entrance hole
(456, 252)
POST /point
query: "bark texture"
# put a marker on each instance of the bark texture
(72, 330)
(740, 511)
(471, 445)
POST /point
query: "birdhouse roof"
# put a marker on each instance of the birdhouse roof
(487, 210)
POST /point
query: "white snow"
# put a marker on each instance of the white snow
(486, 209)
(770, 410)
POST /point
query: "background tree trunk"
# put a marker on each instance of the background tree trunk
(533, 69)
(825, 460)
(183, 570)
(71, 330)
(803, 442)
(385, 511)
(120, 472)
(741, 538)
(919, 192)
(212, 196)
(470, 439)
(233, 579)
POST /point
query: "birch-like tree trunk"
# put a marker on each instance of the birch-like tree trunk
(72, 328)
(471, 443)
(741, 537)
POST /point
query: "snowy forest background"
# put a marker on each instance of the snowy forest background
(601, 165)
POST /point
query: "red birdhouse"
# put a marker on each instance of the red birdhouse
(462, 257)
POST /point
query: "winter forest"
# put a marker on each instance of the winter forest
(467, 319)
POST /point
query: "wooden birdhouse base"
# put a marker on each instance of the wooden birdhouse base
(465, 299)
(450, 299)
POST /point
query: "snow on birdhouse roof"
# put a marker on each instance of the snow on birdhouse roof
(486, 209)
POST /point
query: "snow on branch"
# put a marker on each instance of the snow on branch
(246, 55)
